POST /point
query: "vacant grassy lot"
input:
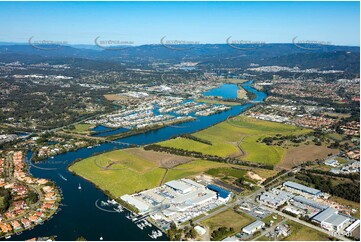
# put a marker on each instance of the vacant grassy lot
(115, 97)
(192, 168)
(119, 172)
(226, 171)
(161, 159)
(295, 156)
(218, 147)
(303, 233)
(82, 129)
(131, 170)
(228, 218)
(239, 136)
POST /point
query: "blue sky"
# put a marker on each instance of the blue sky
(204, 22)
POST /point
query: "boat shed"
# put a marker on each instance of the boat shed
(141, 206)
(179, 186)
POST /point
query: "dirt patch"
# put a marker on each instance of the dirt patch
(255, 177)
(206, 178)
(116, 97)
(298, 155)
(241, 93)
(162, 159)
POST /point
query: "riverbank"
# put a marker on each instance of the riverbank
(81, 202)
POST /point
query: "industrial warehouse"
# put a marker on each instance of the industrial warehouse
(177, 201)
(306, 202)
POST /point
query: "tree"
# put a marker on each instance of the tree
(194, 233)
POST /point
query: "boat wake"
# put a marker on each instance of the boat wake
(62, 177)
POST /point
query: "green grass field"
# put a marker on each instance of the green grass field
(191, 169)
(240, 132)
(303, 233)
(226, 171)
(228, 218)
(82, 129)
(130, 174)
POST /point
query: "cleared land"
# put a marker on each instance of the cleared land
(297, 155)
(132, 170)
(240, 137)
(116, 97)
(241, 93)
(303, 233)
(191, 169)
(230, 219)
(161, 159)
(226, 171)
(119, 172)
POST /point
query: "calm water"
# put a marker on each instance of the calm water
(101, 128)
(224, 91)
(79, 216)
(109, 131)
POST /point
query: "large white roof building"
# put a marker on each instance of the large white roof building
(141, 206)
(253, 227)
(179, 186)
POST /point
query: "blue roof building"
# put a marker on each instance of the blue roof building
(222, 193)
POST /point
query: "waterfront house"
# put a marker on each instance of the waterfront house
(40, 214)
(26, 222)
(16, 225)
(35, 219)
(5, 227)
(42, 181)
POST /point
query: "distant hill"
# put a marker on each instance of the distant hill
(216, 55)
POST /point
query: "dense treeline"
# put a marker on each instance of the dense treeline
(352, 176)
(200, 155)
(348, 190)
(6, 197)
(192, 137)
(221, 233)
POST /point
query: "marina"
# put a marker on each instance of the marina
(80, 206)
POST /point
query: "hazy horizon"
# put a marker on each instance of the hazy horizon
(145, 23)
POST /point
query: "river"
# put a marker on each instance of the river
(79, 216)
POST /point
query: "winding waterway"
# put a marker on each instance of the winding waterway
(79, 216)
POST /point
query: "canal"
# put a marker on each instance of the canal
(78, 215)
